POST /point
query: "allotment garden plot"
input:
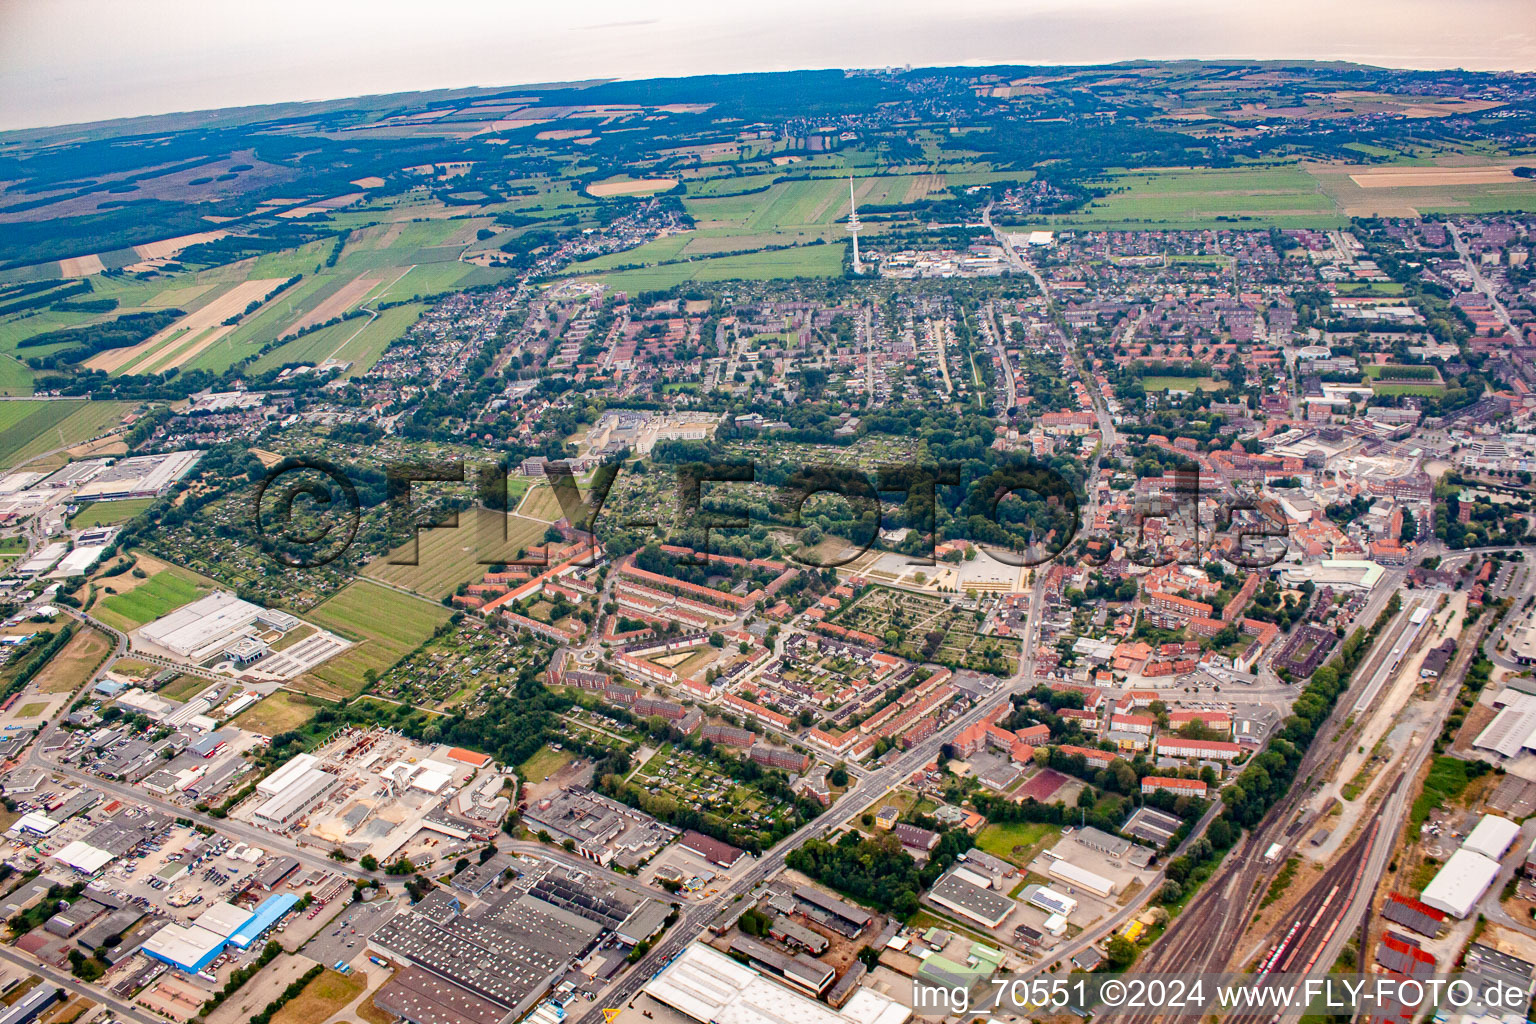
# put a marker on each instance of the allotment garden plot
(923, 628)
(693, 781)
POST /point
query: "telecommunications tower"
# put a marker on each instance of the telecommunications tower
(853, 227)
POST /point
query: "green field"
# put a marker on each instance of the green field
(1001, 840)
(452, 555)
(545, 763)
(15, 376)
(281, 712)
(1405, 388)
(1203, 198)
(159, 595)
(109, 513)
(805, 261)
(30, 428)
(541, 504)
(388, 625)
(1181, 384)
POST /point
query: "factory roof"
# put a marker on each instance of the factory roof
(712, 988)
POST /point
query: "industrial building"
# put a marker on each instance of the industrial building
(1070, 873)
(207, 626)
(1049, 900)
(193, 947)
(712, 988)
(142, 476)
(602, 829)
(1458, 886)
(1491, 837)
(471, 954)
(970, 901)
(836, 914)
(720, 854)
(796, 970)
(30, 1005)
(290, 791)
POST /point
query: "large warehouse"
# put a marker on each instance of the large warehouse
(193, 947)
(1491, 837)
(287, 805)
(712, 988)
(204, 627)
(1461, 883)
(1070, 873)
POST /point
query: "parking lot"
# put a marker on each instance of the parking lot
(346, 936)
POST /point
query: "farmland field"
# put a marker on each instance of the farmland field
(28, 429)
(387, 625)
(1411, 189)
(359, 341)
(15, 376)
(159, 595)
(1195, 199)
(454, 555)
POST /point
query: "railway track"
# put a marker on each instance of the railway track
(1208, 933)
(1297, 944)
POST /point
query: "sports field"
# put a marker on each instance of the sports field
(452, 555)
(387, 625)
(159, 595)
(30, 428)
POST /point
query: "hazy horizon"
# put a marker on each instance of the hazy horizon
(77, 61)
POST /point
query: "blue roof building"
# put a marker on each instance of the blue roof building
(272, 910)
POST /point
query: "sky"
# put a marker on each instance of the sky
(71, 61)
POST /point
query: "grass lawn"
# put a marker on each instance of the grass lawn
(805, 261)
(1281, 195)
(388, 625)
(183, 687)
(33, 710)
(545, 763)
(109, 513)
(70, 667)
(1000, 840)
(321, 998)
(1406, 388)
(1181, 384)
(159, 595)
(276, 714)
